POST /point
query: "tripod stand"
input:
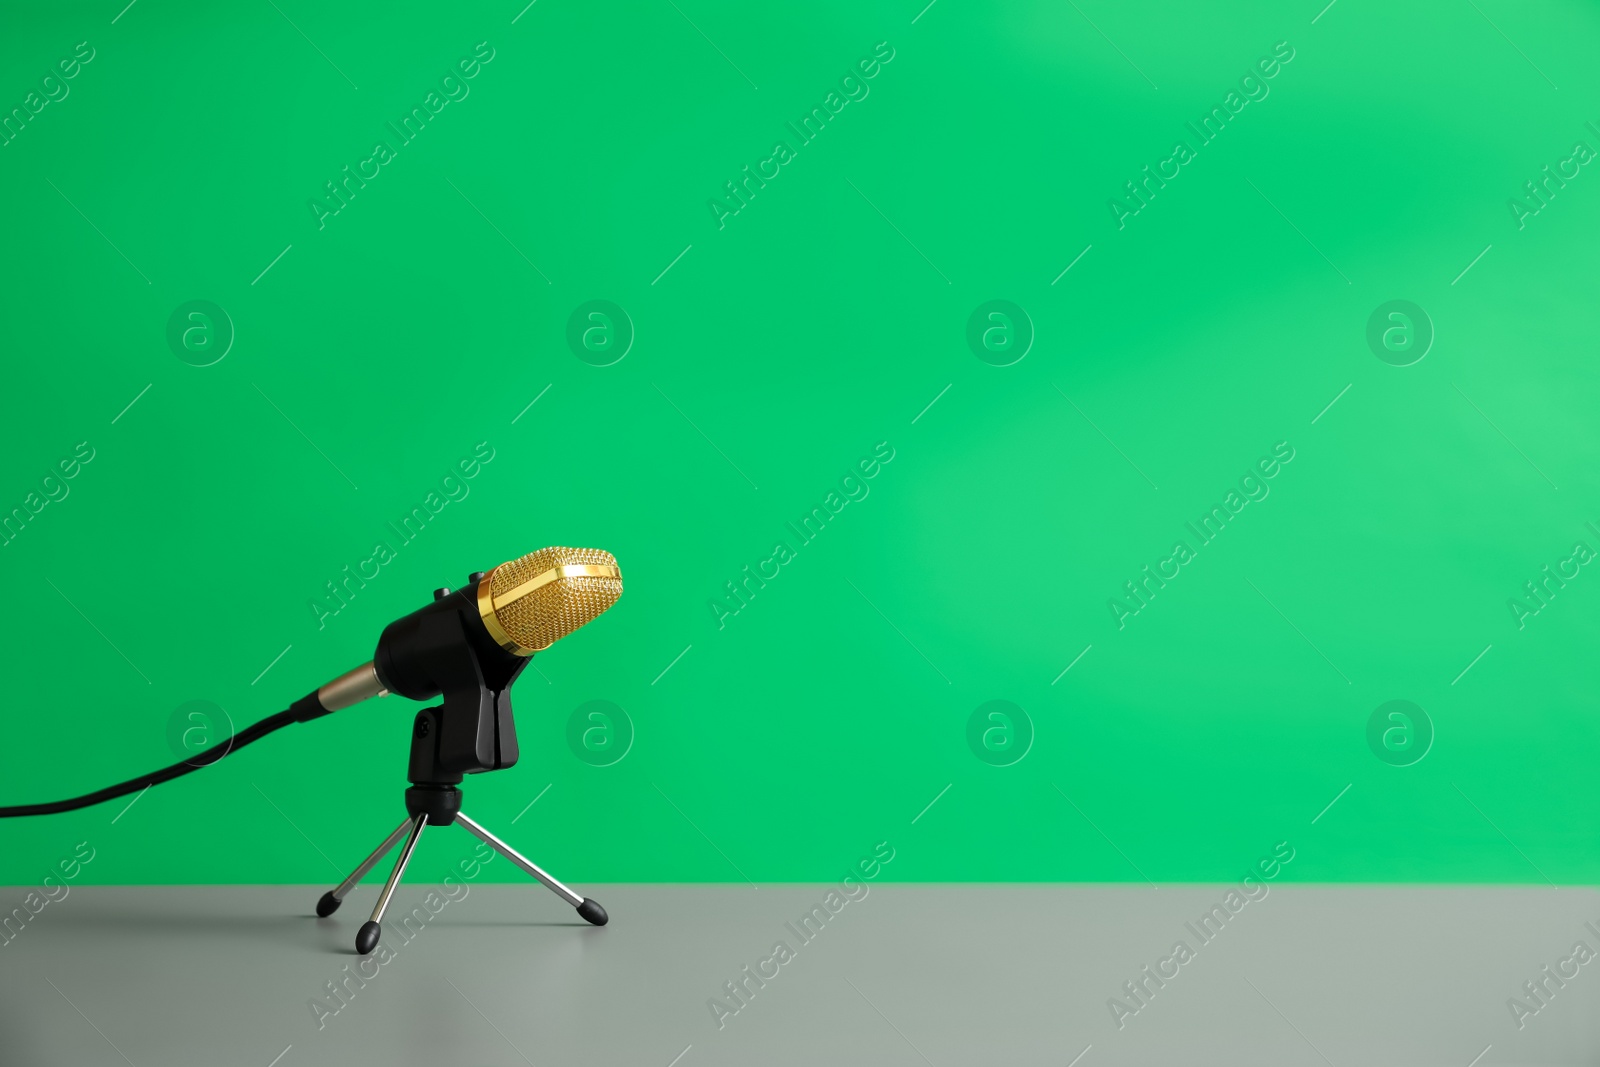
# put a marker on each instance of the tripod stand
(472, 731)
(437, 806)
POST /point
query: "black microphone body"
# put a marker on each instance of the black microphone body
(444, 650)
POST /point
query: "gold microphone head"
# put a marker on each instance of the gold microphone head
(530, 603)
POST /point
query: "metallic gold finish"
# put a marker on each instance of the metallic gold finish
(532, 602)
(351, 687)
(539, 582)
(490, 622)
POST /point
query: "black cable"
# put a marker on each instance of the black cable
(166, 774)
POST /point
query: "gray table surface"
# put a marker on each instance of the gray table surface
(907, 975)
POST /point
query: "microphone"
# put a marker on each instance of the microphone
(468, 646)
(523, 606)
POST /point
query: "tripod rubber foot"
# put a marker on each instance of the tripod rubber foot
(367, 937)
(592, 912)
(327, 905)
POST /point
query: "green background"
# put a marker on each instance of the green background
(774, 354)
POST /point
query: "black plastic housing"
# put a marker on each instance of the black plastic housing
(444, 650)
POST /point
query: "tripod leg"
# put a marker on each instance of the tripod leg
(588, 909)
(367, 936)
(333, 898)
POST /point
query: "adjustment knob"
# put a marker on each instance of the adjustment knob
(476, 576)
(441, 592)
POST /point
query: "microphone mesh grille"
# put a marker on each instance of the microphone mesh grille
(551, 612)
